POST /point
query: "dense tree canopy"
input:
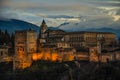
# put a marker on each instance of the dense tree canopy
(46, 70)
(6, 38)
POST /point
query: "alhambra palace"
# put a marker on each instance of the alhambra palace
(59, 45)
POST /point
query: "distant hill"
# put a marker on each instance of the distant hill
(13, 24)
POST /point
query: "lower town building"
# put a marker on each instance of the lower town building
(3, 52)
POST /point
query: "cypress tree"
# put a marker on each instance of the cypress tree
(119, 42)
(12, 39)
(6, 37)
(0, 37)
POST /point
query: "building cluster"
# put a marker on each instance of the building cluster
(4, 53)
(59, 45)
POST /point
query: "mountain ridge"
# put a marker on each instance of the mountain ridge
(14, 24)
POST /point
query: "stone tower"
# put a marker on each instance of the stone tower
(43, 32)
(25, 41)
(25, 45)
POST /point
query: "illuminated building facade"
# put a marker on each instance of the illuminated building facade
(89, 39)
(55, 36)
(25, 41)
(57, 45)
(25, 45)
(49, 37)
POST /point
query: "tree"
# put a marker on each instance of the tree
(12, 39)
(1, 37)
(39, 36)
(0, 31)
(6, 37)
(119, 42)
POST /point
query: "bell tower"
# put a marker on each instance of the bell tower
(43, 32)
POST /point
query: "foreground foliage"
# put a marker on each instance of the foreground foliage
(46, 70)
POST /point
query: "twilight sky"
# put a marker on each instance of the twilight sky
(86, 13)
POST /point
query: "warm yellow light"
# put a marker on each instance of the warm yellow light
(54, 57)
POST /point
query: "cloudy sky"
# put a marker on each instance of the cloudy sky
(85, 13)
